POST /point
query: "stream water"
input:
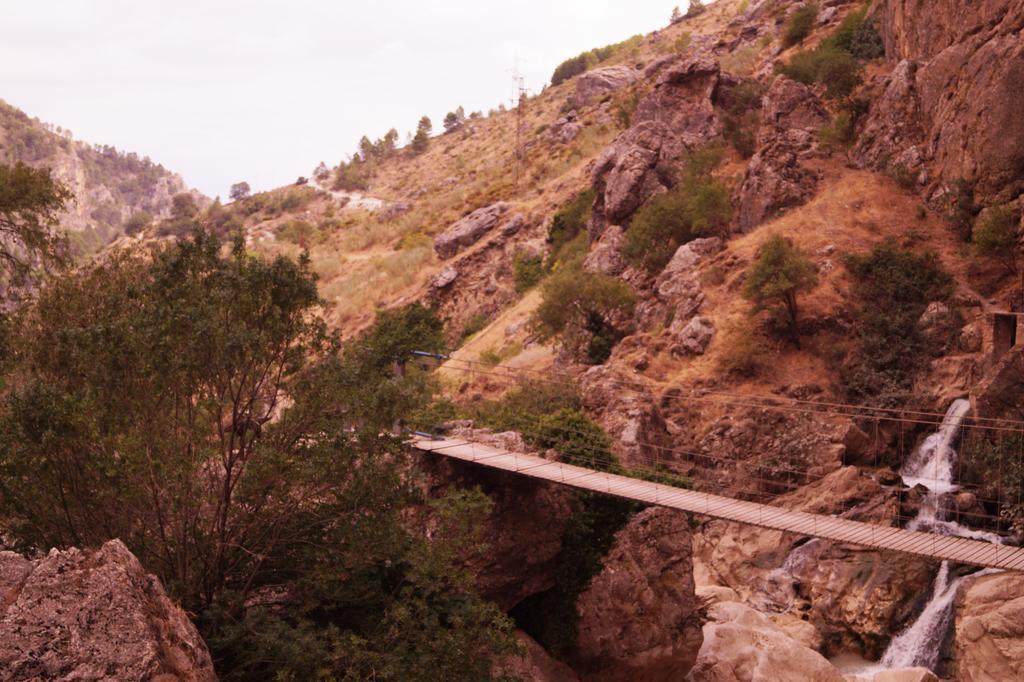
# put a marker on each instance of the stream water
(933, 465)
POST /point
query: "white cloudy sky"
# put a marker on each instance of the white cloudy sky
(262, 90)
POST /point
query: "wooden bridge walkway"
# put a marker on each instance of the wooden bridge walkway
(945, 547)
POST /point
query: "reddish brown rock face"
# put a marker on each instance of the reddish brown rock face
(92, 615)
(639, 617)
(967, 79)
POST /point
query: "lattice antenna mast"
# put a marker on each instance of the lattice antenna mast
(522, 94)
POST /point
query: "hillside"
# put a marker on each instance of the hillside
(110, 186)
(866, 141)
(770, 251)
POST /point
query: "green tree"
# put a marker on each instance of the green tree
(30, 205)
(239, 191)
(696, 8)
(779, 275)
(191, 403)
(421, 140)
(996, 236)
(676, 15)
(584, 308)
(183, 206)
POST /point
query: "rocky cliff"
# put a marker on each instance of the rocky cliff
(93, 615)
(109, 186)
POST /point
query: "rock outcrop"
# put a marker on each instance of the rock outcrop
(596, 83)
(628, 412)
(775, 178)
(472, 228)
(967, 85)
(535, 664)
(676, 116)
(989, 640)
(639, 619)
(93, 615)
(742, 645)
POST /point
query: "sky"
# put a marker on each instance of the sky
(262, 90)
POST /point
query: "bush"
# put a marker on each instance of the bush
(576, 438)
(698, 205)
(296, 232)
(586, 60)
(529, 270)
(857, 36)
(582, 307)
(569, 222)
(892, 287)
(695, 9)
(995, 236)
(799, 24)
(841, 133)
(740, 120)
(473, 325)
(837, 70)
(962, 209)
(137, 223)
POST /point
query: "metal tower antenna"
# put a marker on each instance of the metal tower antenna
(522, 94)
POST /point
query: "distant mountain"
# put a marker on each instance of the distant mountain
(110, 186)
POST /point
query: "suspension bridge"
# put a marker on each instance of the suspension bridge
(931, 545)
(976, 549)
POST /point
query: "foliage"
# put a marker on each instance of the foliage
(779, 274)
(519, 408)
(574, 66)
(239, 190)
(473, 325)
(699, 205)
(297, 232)
(583, 307)
(151, 401)
(529, 270)
(30, 205)
(696, 8)
(421, 140)
(137, 222)
(569, 222)
(453, 120)
(577, 439)
(893, 287)
(183, 206)
(857, 35)
(353, 175)
(839, 71)
(996, 236)
(996, 465)
(741, 120)
(841, 133)
(799, 24)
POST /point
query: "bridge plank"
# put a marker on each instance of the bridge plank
(888, 538)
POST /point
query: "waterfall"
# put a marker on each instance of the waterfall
(932, 465)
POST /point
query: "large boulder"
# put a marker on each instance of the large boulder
(989, 641)
(93, 615)
(741, 645)
(629, 413)
(775, 178)
(676, 116)
(893, 132)
(597, 83)
(970, 69)
(638, 618)
(469, 230)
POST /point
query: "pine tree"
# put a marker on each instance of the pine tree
(422, 138)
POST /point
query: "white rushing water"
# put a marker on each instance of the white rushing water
(932, 465)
